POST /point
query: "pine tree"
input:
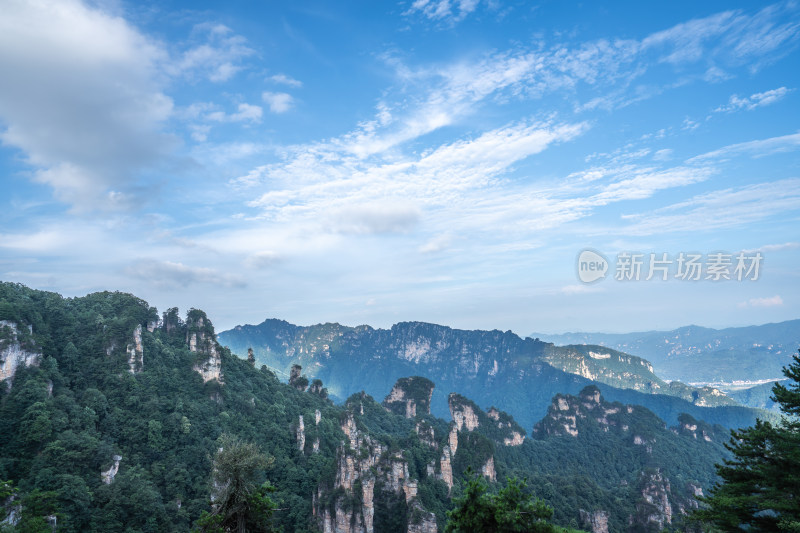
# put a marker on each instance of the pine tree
(240, 504)
(760, 489)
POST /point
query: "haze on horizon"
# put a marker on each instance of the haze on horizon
(440, 161)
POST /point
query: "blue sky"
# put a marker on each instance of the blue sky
(372, 162)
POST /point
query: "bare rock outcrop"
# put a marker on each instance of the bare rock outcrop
(301, 434)
(201, 339)
(463, 412)
(410, 396)
(363, 467)
(596, 521)
(653, 508)
(566, 413)
(488, 470)
(296, 379)
(107, 476)
(14, 350)
(135, 351)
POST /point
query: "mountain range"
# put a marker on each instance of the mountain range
(497, 368)
(111, 413)
(730, 358)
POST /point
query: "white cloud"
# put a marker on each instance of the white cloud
(449, 10)
(436, 244)
(775, 247)
(217, 59)
(245, 113)
(663, 155)
(377, 218)
(170, 275)
(719, 209)
(581, 289)
(278, 102)
(283, 79)
(753, 101)
(771, 301)
(263, 259)
(79, 97)
(758, 148)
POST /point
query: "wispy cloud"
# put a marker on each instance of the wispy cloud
(451, 11)
(170, 275)
(217, 58)
(771, 301)
(775, 247)
(758, 148)
(753, 101)
(244, 113)
(283, 79)
(726, 208)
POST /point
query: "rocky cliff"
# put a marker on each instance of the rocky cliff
(410, 396)
(17, 348)
(135, 351)
(201, 339)
(498, 368)
(365, 470)
(644, 440)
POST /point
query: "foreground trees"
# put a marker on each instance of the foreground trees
(510, 510)
(240, 504)
(761, 484)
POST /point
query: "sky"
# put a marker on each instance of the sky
(435, 160)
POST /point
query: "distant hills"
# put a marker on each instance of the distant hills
(517, 375)
(695, 354)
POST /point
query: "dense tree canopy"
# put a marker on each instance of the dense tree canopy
(510, 510)
(760, 489)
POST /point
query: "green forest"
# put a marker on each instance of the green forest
(100, 435)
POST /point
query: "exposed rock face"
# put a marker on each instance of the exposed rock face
(697, 429)
(446, 467)
(135, 352)
(408, 395)
(566, 413)
(597, 520)
(516, 439)
(363, 462)
(301, 434)
(108, 475)
(452, 440)
(463, 412)
(12, 352)
(488, 469)
(317, 418)
(514, 435)
(426, 434)
(296, 379)
(201, 339)
(427, 521)
(654, 508)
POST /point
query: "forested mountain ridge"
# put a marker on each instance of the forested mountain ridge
(699, 354)
(112, 414)
(517, 375)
